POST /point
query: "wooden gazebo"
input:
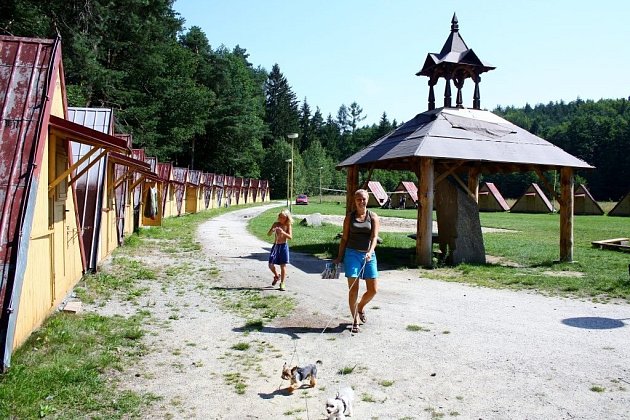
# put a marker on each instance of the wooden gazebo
(449, 148)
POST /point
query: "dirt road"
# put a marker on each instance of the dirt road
(430, 349)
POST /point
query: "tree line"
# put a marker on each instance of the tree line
(210, 108)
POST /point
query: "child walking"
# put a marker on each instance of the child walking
(279, 255)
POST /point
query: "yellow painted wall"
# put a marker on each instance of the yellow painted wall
(108, 238)
(128, 230)
(190, 199)
(53, 264)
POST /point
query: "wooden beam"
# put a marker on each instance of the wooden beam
(566, 214)
(67, 172)
(424, 227)
(549, 187)
(473, 183)
(352, 184)
(450, 170)
(463, 185)
(89, 165)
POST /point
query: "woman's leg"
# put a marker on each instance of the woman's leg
(372, 288)
(353, 294)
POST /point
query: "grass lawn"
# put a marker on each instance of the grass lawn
(531, 251)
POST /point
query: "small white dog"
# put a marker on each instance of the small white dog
(341, 406)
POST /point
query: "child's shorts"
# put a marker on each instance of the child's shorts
(353, 264)
(279, 254)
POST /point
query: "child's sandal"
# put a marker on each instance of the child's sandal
(362, 317)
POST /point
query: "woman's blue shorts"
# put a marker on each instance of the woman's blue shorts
(279, 254)
(353, 264)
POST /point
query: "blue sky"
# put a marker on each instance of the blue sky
(368, 51)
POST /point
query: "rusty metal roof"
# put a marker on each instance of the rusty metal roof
(28, 73)
(462, 134)
(194, 177)
(180, 175)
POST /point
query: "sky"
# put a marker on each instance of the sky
(367, 51)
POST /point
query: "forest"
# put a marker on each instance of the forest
(208, 107)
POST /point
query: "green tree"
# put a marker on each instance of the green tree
(281, 106)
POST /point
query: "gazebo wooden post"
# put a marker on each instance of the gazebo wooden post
(352, 184)
(473, 182)
(566, 214)
(424, 233)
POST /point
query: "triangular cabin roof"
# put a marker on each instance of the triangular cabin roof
(165, 171)
(463, 134)
(622, 208)
(408, 187)
(490, 199)
(180, 175)
(584, 203)
(98, 119)
(30, 69)
(153, 163)
(90, 188)
(207, 179)
(532, 201)
(377, 194)
(194, 177)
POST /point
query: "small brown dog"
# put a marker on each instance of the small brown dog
(298, 374)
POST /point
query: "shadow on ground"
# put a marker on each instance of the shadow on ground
(294, 332)
(594, 322)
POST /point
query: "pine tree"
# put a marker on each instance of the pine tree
(281, 106)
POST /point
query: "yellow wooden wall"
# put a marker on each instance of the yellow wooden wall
(53, 264)
(108, 238)
(190, 204)
(128, 230)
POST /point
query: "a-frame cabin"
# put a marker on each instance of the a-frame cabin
(490, 199)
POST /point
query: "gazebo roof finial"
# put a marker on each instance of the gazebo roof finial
(454, 24)
(455, 62)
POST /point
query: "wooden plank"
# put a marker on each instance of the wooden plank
(566, 214)
(352, 184)
(425, 174)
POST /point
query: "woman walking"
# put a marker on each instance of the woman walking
(356, 250)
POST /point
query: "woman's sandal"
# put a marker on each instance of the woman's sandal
(363, 317)
(355, 328)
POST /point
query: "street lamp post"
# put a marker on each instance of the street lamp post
(292, 136)
(288, 161)
(320, 184)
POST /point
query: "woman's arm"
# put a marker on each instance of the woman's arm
(376, 225)
(344, 240)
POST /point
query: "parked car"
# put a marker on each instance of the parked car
(301, 199)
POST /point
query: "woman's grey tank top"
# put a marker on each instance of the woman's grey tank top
(360, 232)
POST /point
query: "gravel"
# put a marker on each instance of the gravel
(430, 349)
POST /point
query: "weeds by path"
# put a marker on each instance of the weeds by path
(69, 368)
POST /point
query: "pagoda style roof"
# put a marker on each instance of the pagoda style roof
(454, 52)
(462, 134)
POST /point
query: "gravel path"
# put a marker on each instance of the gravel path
(476, 353)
